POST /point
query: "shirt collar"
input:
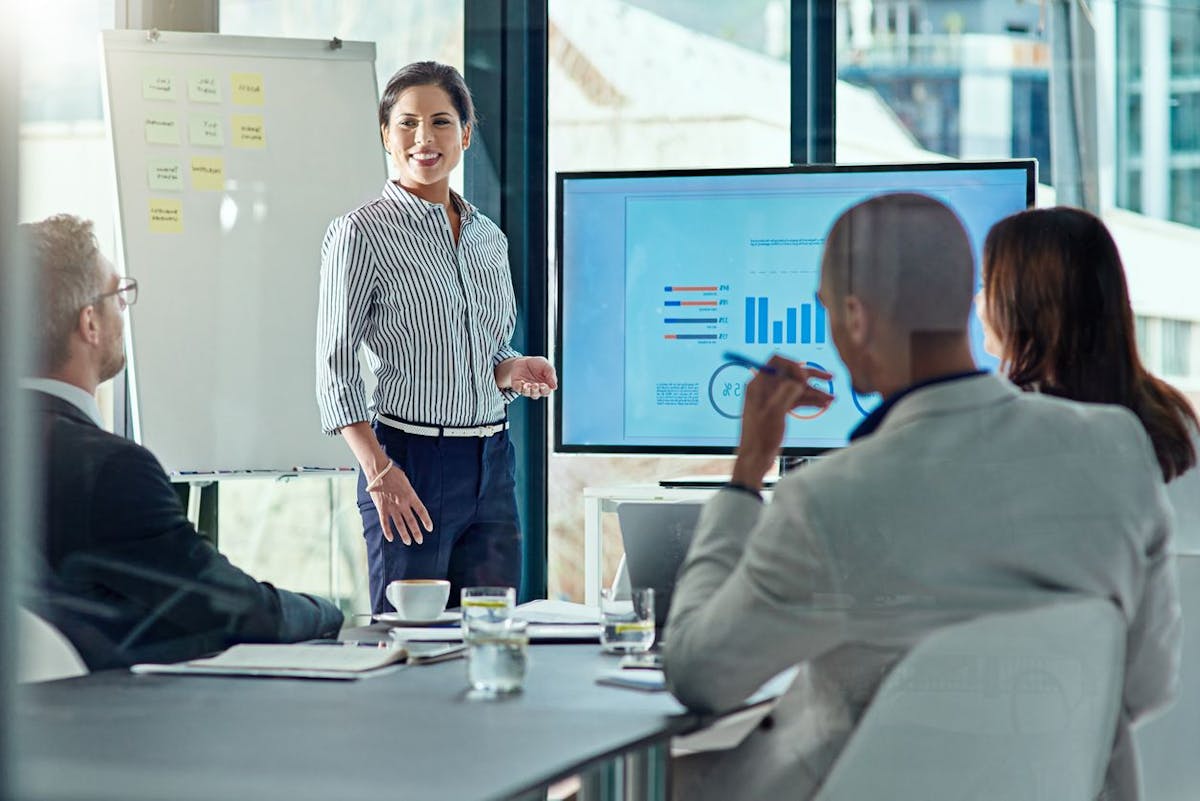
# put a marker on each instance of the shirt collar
(70, 393)
(418, 207)
(875, 419)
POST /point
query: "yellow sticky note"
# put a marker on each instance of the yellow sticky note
(162, 129)
(247, 88)
(203, 87)
(158, 85)
(248, 131)
(164, 174)
(206, 130)
(166, 216)
(208, 173)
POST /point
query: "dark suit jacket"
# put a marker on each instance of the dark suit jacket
(125, 575)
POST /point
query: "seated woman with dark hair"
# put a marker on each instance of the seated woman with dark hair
(1055, 310)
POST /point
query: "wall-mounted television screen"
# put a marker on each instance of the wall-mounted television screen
(661, 273)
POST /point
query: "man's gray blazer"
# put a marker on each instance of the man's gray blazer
(971, 497)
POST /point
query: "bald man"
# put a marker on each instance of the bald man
(959, 496)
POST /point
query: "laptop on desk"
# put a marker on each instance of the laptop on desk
(657, 537)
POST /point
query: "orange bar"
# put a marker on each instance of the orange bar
(693, 289)
(668, 336)
(697, 303)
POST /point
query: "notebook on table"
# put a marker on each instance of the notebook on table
(345, 661)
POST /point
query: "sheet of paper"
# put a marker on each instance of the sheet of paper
(300, 656)
(206, 130)
(203, 87)
(265, 673)
(162, 129)
(553, 632)
(248, 131)
(158, 84)
(546, 611)
(166, 216)
(247, 88)
(164, 175)
(208, 173)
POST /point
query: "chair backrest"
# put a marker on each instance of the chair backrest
(44, 654)
(1015, 706)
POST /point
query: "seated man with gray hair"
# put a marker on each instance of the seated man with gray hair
(959, 496)
(120, 569)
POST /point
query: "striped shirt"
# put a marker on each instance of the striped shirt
(433, 318)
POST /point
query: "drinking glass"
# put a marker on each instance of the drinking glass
(487, 605)
(627, 626)
(497, 656)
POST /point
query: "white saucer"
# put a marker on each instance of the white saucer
(394, 619)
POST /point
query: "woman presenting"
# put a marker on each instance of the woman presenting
(420, 278)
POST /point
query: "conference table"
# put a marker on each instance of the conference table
(414, 733)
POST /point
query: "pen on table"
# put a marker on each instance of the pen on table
(348, 643)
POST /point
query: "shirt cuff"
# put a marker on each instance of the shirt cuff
(733, 485)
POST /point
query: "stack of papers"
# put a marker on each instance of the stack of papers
(344, 661)
(549, 621)
(558, 612)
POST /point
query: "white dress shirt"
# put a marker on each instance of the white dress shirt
(435, 317)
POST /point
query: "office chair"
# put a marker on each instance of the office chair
(44, 654)
(1009, 706)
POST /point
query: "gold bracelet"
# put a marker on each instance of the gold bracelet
(375, 482)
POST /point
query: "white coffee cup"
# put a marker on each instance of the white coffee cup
(419, 599)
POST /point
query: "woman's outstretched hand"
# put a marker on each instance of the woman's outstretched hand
(530, 376)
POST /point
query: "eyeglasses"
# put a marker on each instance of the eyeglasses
(126, 292)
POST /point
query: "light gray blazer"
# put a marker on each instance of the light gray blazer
(972, 497)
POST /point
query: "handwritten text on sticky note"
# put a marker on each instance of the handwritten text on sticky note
(164, 174)
(162, 129)
(247, 88)
(203, 87)
(166, 216)
(248, 131)
(208, 173)
(158, 85)
(207, 130)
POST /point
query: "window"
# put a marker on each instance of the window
(1177, 348)
(1141, 326)
(977, 86)
(643, 85)
(63, 142)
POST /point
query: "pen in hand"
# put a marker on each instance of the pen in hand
(766, 369)
(746, 361)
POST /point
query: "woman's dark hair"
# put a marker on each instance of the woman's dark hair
(428, 73)
(1057, 301)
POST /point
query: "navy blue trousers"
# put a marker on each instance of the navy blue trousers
(468, 484)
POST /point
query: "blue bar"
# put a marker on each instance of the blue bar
(820, 329)
(791, 325)
(695, 336)
(671, 320)
(777, 333)
(668, 289)
(762, 321)
(805, 323)
(672, 302)
(749, 321)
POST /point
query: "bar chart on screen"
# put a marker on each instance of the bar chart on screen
(801, 324)
(696, 312)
